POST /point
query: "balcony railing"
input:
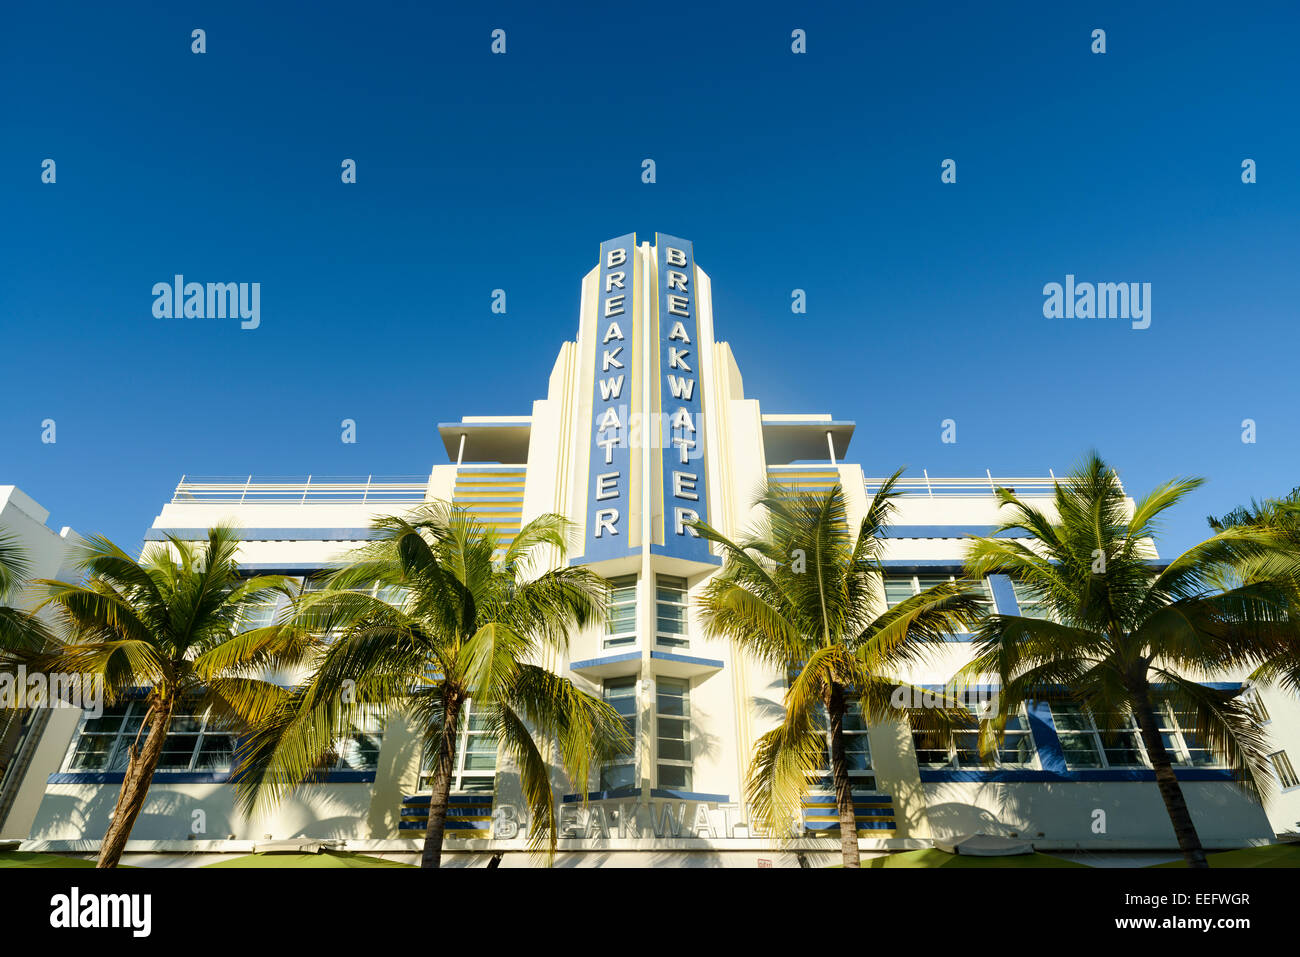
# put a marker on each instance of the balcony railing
(924, 484)
(302, 490)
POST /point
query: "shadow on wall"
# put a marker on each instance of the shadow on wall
(1129, 813)
(174, 814)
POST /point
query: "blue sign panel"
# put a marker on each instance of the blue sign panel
(681, 402)
(609, 482)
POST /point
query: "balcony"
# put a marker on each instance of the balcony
(301, 490)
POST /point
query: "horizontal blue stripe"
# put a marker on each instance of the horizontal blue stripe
(1004, 775)
(607, 660)
(701, 560)
(622, 794)
(413, 826)
(689, 796)
(477, 812)
(271, 534)
(451, 799)
(949, 531)
(859, 796)
(282, 568)
(912, 566)
(198, 777)
(859, 825)
(686, 659)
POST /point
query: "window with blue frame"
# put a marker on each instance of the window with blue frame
(102, 744)
(358, 748)
(857, 746)
(959, 750)
(1030, 601)
(670, 611)
(900, 587)
(620, 618)
(1113, 741)
(673, 723)
(620, 772)
(474, 767)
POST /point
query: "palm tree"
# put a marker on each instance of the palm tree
(174, 624)
(803, 593)
(19, 630)
(1126, 637)
(1279, 519)
(429, 616)
(1280, 513)
(20, 633)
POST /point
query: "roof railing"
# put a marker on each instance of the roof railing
(979, 486)
(309, 490)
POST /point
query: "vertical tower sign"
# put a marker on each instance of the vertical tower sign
(609, 482)
(680, 399)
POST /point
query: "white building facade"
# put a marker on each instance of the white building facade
(644, 427)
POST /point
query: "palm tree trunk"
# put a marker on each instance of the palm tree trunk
(141, 764)
(441, 786)
(840, 777)
(1170, 790)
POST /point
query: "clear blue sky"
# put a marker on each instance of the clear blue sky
(478, 172)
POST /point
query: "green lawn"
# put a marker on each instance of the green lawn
(323, 859)
(33, 859)
(1270, 855)
(936, 858)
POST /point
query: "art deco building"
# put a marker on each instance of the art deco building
(644, 426)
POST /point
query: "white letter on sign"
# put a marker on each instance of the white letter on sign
(684, 485)
(685, 515)
(605, 519)
(605, 486)
(616, 257)
(675, 257)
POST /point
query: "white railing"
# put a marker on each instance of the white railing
(928, 485)
(309, 490)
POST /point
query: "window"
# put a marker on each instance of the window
(1251, 699)
(358, 750)
(899, 588)
(670, 603)
(475, 766)
(673, 720)
(313, 582)
(395, 595)
(857, 743)
(102, 743)
(620, 773)
(1113, 741)
(1282, 768)
(258, 614)
(1030, 601)
(960, 750)
(620, 620)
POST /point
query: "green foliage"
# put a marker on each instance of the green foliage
(802, 591)
(1128, 632)
(454, 617)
